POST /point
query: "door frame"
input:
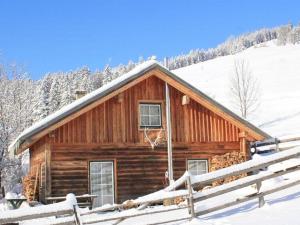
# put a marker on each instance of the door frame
(114, 161)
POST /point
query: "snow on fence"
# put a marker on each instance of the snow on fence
(279, 164)
(252, 166)
(274, 144)
(66, 208)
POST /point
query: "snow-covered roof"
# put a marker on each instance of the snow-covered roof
(105, 90)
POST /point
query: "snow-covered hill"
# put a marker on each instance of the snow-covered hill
(278, 71)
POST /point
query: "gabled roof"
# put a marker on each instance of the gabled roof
(119, 82)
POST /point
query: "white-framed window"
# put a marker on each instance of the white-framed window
(197, 166)
(150, 115)
(102, 182)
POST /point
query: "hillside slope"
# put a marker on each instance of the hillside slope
(278, 71)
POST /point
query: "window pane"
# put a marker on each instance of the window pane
(144, 120)
(106, 167)
(95, 167)
(155, 120)
(192, 165)
(144, 109)
(197, 167)
(95, 178)
(106, 178)
(154, 110)
(107, 189)
(95, 188)
(202, 165)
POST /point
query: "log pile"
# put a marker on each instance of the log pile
(28, 187)
(129, 204)
(226, 160)
(173, 201)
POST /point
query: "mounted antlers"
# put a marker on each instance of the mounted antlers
(156, 141)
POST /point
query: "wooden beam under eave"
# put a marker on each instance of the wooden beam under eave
(243, 143)
(185, 90)
(185, 100)
(121, 97)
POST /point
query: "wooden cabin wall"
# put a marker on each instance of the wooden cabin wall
(37, 156)
(111, 131)
(139, 170)
(192, 123)
(37, 162)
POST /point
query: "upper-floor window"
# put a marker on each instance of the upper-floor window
(150, 115)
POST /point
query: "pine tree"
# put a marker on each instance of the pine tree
(66, 97)
(43, 94)
(107, 75)
(55, 95)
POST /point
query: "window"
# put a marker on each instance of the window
(197, 166)
(150, 115)
(102, 182)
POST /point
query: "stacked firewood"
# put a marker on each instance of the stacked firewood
(226, 160)
(28, 187)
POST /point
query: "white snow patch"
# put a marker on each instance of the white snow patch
(278, 70)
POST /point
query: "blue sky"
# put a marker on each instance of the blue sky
(61, 35)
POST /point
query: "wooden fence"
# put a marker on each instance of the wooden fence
(66, 208)
(194, 199)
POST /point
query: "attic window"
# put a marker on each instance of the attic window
(150, 115)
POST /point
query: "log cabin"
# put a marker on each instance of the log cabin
(113, 142)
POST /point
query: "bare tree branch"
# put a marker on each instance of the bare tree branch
(245, 89)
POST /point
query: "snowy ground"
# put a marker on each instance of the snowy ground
(278, 70)
(281, 208)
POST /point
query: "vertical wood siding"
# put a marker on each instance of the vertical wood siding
(116, 121)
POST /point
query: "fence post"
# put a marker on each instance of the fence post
(72, 201)
(261, 200)
(277, 145)
(77, 220)
(3, 192)
(190, 198)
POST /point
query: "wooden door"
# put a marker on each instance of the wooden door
(102, 182)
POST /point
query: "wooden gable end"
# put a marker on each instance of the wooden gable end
(116, 121)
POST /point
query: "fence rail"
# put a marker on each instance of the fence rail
(56, 209)
(69, 208)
